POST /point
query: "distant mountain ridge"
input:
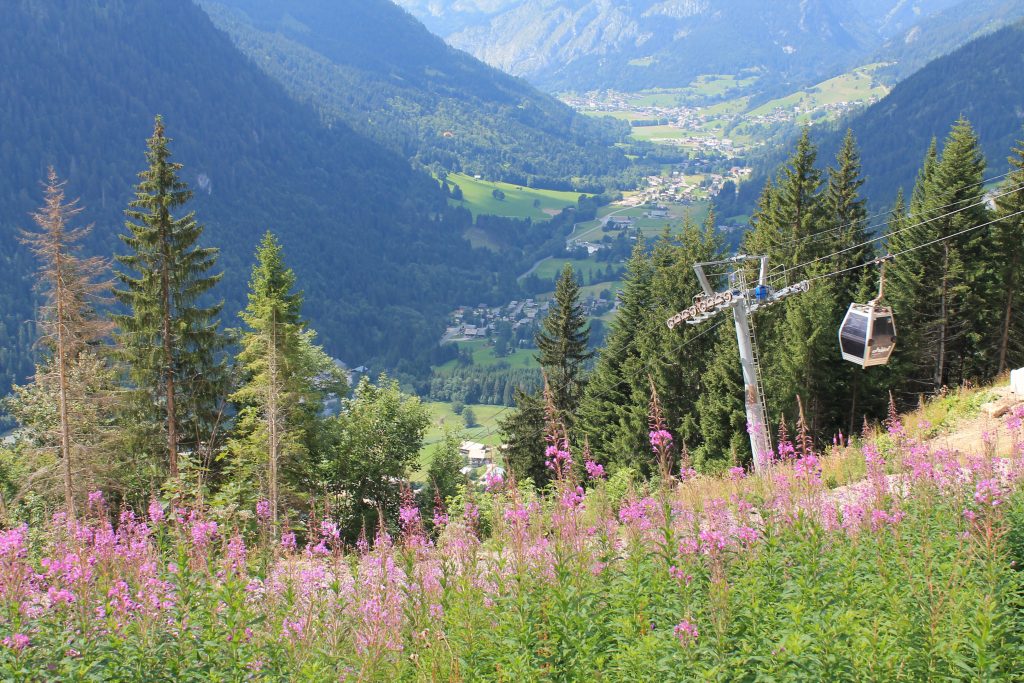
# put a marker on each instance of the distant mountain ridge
(373, 66)
(588, 44)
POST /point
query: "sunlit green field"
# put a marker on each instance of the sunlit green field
(519, 201)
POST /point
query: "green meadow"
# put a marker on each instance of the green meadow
(519, 201)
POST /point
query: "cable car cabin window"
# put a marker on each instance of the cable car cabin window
(854, 334)
(883, 335)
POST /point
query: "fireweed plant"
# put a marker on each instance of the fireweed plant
(908, 574)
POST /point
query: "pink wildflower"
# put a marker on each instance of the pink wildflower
(679, 575)
(594, 470)
(493, 480)
(572, 498)
(987, 492)
(203, 533)
(16, 642)
(737, 473)
(660, 439)
(288, 540)
(408, 516)
(263, 510)
(156, 511)
(686, 632)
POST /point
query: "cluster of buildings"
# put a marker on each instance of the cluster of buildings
(481, 322)
(680, 189)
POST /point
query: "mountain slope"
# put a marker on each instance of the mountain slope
(428, 101)
(983, 80)
(589, 44)
(375, 247)
(942, 33)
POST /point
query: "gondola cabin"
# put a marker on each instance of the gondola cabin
(868, 334)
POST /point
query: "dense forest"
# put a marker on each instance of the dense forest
(430, 102)
(953, 284)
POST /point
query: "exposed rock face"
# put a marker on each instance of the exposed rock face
(579, 44)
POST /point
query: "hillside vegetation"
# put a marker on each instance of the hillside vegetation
(886, 559)
(81, 87)
(426, 101)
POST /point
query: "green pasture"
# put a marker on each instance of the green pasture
(443, 416)
(478, 197)
(483, 356)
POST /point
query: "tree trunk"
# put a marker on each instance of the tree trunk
(940, 365)
(62, 396)
(172, 423)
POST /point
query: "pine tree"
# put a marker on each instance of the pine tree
(938, 291)
(611, 415)
(562, 340)
(69, 324)
(789, 212)
(1007, 251)
(285, 381)
(169, 340)
(845, 211)
(792, 228)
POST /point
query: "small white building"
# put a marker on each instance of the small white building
(476, 454)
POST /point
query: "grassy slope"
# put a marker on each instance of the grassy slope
(518, 202)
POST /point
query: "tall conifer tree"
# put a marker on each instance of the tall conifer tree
(69, 324)
(609, 413)
(169, 338)
(563, 341)
(939, 290)
(1007, 251)
(285, 380)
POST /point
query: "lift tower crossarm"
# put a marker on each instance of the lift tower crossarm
(742, 301)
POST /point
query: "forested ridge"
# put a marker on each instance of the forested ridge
(380, 254)
(374, 67)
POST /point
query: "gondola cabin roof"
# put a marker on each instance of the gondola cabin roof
(867, 336)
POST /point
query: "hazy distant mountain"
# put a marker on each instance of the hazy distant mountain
(375, 67)
(983, 80)
(582, 44)
(943, 32)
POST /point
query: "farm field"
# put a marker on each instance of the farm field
(853, 86)
(519, 201)
(483, 356)
(589, 268)
(442, 415)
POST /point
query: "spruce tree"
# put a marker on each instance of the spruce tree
(1007, 252)
(563, 341)
(285, 379)
(938, 291)
(789, 212)
(611, 415)
(845, 211)
(170, 337)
